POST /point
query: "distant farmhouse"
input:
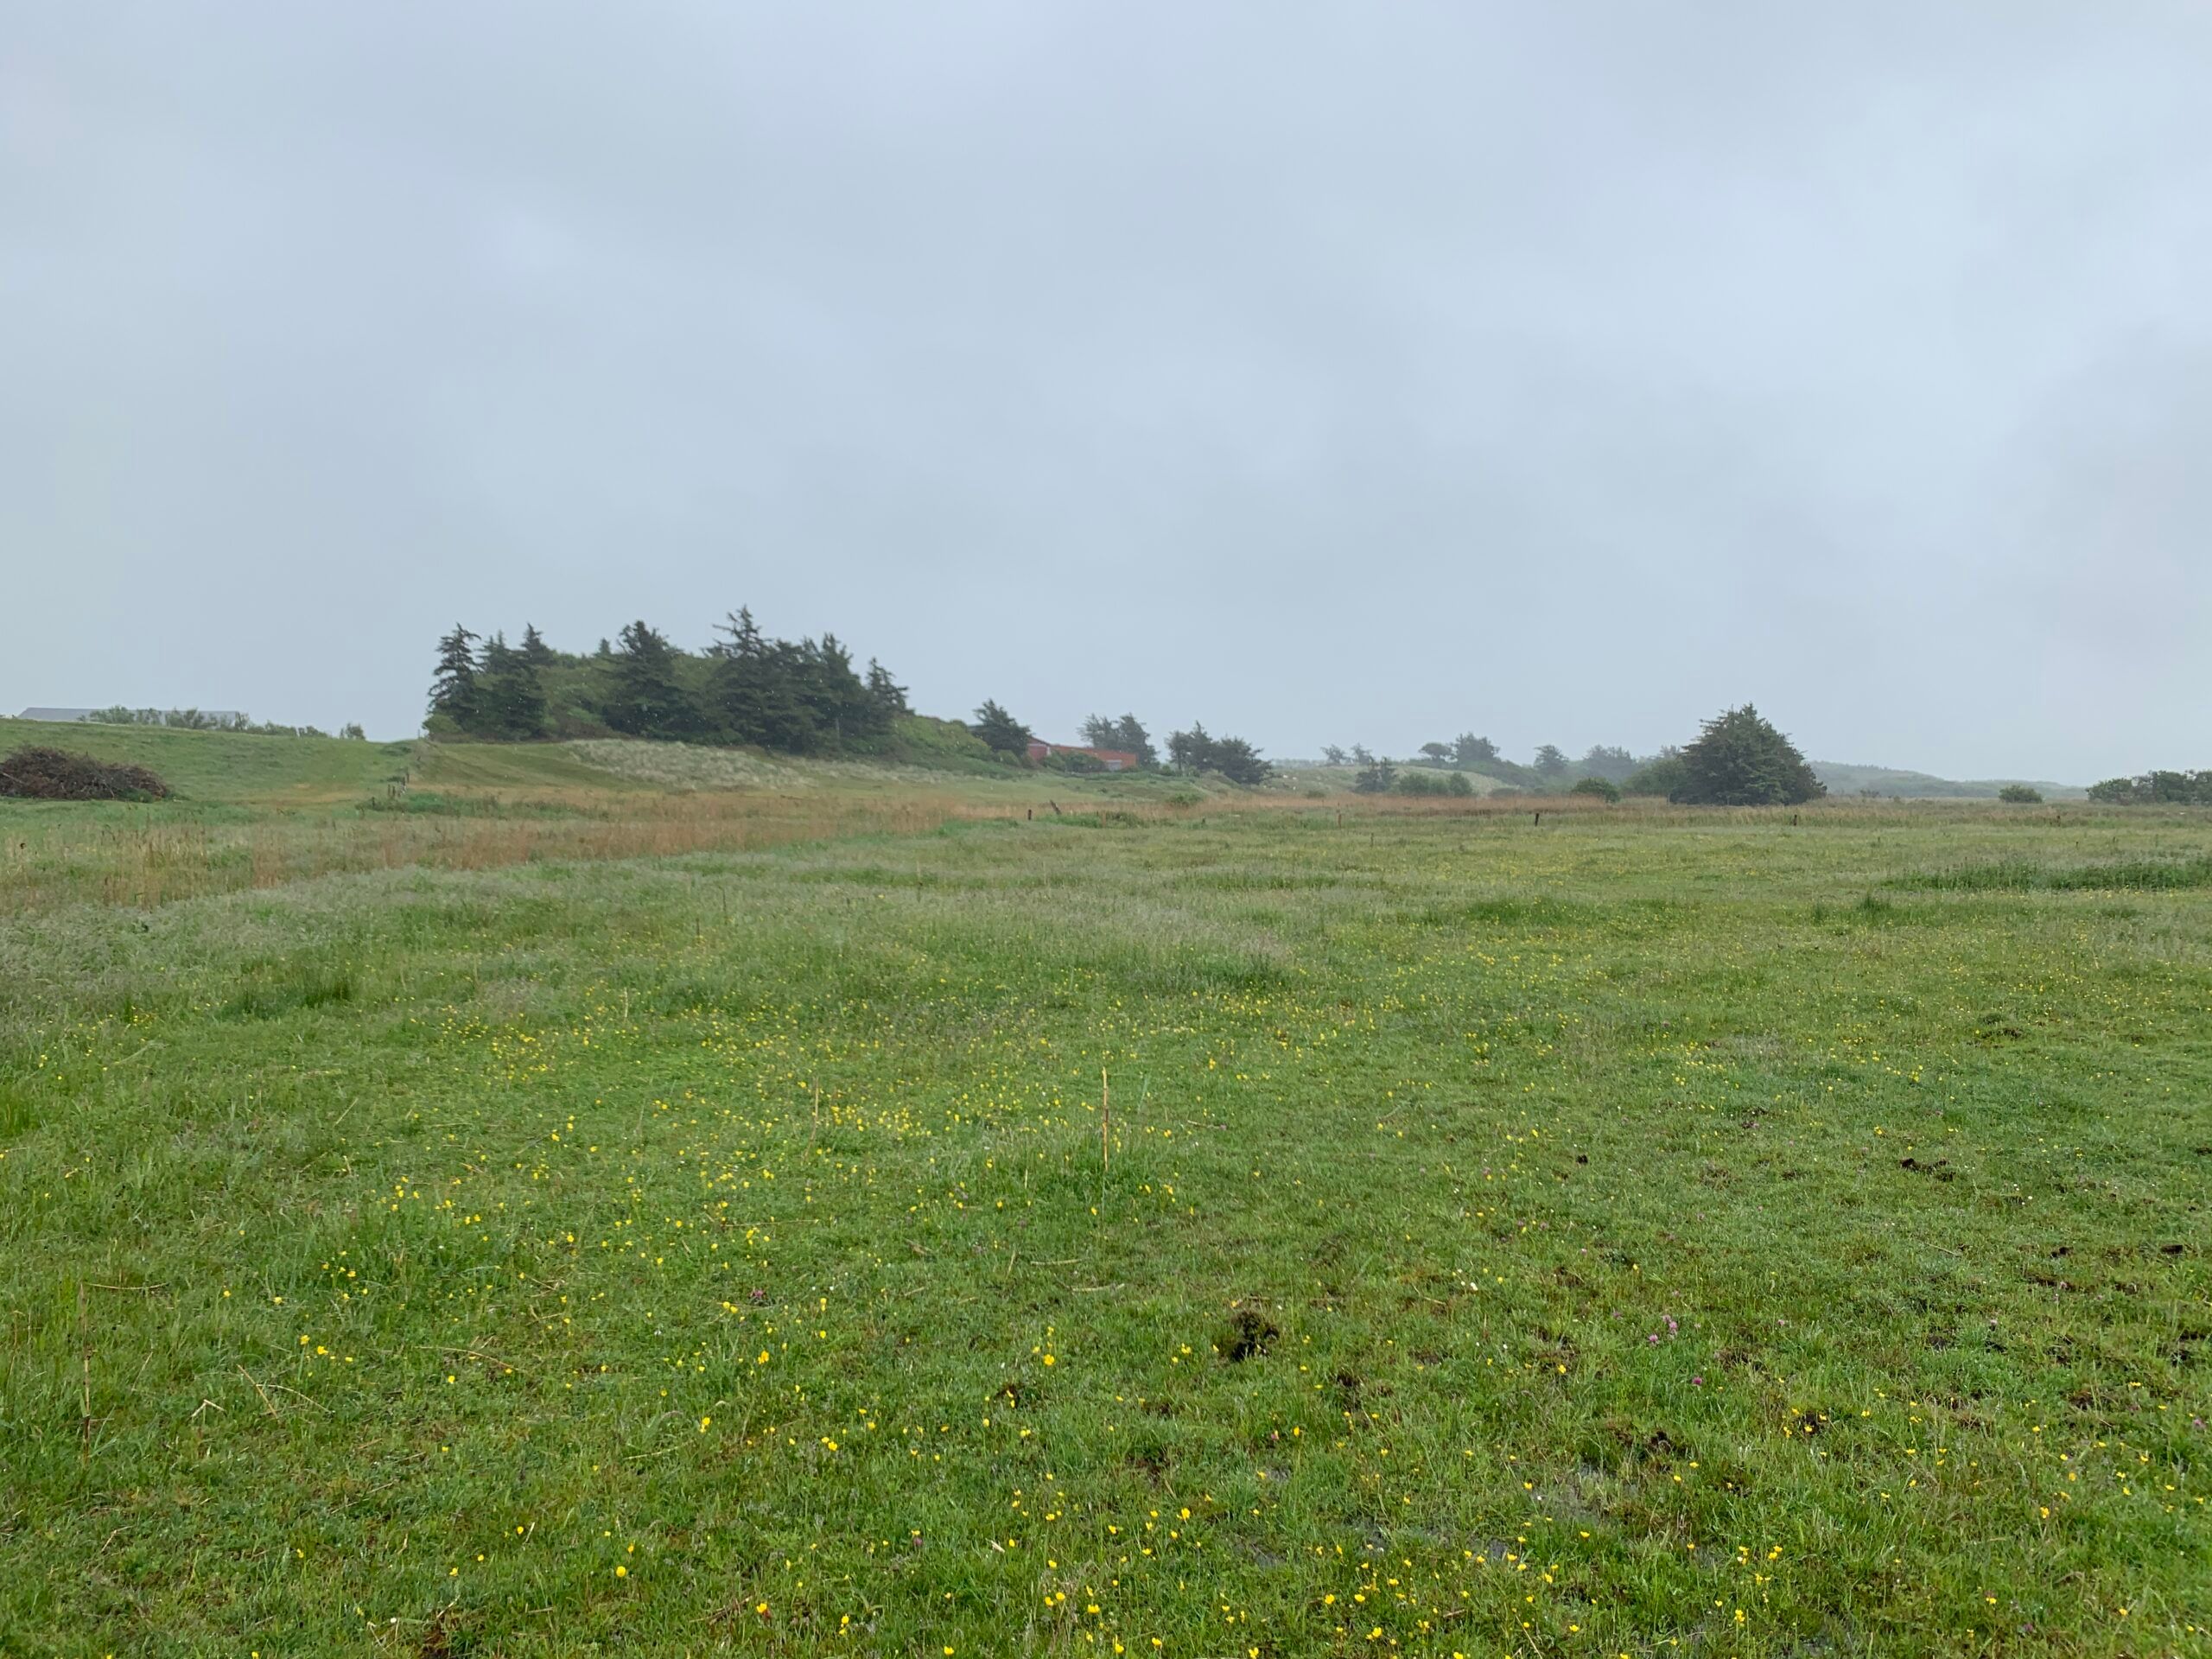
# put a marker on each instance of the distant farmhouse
(1111, 760)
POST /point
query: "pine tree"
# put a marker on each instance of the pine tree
(1136, 741)
(510, 701)
(794, 719)
(1238, 761)
(648, 700)
(1127, 734)
(1191, 751)
(739, 682)
(886, 693)
(1551, 760)
(836, 698)
(533, 649)
(1197, 750)
(453, 687)
(1471, 749)
(1001, 732)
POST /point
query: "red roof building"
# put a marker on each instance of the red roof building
(1109, 760)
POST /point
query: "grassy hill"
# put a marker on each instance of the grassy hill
(1844, 778)
(230, 766)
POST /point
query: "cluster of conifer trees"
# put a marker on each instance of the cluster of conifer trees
(800, 697)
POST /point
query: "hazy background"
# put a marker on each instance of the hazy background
(1364, 373)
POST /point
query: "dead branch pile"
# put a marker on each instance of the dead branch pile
(41, 774)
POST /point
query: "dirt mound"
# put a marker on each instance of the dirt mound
(39, 775)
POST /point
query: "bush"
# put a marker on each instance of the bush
(1603, 788)
(1375, 778)
(1660, 776)
(2156, 789)
(1415, 782)
(1740, 760)
(2020, 795)
(39, 775)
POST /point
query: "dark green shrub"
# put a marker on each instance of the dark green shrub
(1741, 759)
(1416, 780)
(1603, 788)
(2020, 795)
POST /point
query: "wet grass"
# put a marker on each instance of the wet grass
(1636, 1234)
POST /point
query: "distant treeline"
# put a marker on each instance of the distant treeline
(2156, 789)
(1738, 759)
(197, 720)
(1548, 769)
(801, 696)
(798, 697)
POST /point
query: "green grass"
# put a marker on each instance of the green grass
(1632, 1235)
(2025, 875)
(225, 767)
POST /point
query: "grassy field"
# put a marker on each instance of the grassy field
(1646, 1232)
(259, 813)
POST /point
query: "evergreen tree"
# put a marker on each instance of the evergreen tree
(454, 689)
(1374, 777)
(511, 703)
(886, 693)
(1437, 754)
(1551, 760)
(1740, 760)
(1238, 761)
(1198, 750)
(1001, 733)
(836, 698)
(741, 683)
(1472, 750)
(533, 649)
(1333, 756)
(1191, 751)
(1131, 738)
(647, 699)
(1128, 735)
(797, 722)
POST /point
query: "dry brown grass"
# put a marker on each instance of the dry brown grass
(149, 860)
(142, 858)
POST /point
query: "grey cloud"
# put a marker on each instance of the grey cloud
(1325, 373)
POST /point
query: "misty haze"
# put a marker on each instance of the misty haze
(1058, 828)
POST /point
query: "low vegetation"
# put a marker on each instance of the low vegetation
(2156, 789)
(1163, 1229)
(199, 719)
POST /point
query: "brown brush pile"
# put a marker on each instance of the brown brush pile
(39, 775)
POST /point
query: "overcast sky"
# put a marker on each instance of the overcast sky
(1363, 372)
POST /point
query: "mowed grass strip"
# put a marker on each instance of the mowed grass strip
(1616, 1236)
